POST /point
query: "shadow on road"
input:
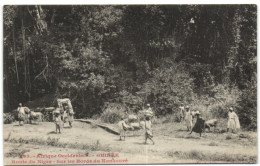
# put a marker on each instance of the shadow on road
(67, 127)
(52, 132)
(140, 143)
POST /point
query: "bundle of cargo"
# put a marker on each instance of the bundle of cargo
(147, 113)
(132, 118)
(66, 110)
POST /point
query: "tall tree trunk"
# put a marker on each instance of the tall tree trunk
(83, 104)
(26, 79)
(23, 37)
(7, 98)
(17, 75)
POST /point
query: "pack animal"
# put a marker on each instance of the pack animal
(35, 116)
(211, 123)
(134, 123)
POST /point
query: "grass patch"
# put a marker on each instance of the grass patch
(16, 152)
(216, 157)
(93, 126)
(8, 137)
(95, 146)
(213, 144)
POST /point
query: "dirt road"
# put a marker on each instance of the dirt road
(172, 145)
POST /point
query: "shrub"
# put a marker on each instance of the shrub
(228, 137)
(8, 118)
(52, 141)
(95, 117)
(113, 113)
(133, 103)
(169, 85)
(172, 118)
(176, 117)
(247, 109)
(224, 97)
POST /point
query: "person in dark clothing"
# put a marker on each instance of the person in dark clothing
(199, 125)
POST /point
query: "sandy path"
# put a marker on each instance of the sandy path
(132, 149)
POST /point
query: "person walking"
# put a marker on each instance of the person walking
(69, 113)
(182, 112)
(148, 130)
(188, 118)
(21, 114)
(199, 126)
(233, 121)
(57, 121)
(122, 128)
(70, 118)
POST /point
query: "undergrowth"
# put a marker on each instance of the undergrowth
(95, 146)
(210, 157)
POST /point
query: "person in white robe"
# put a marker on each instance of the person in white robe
(188, 118)
(182, 112)
(233, 121)
(122, 128)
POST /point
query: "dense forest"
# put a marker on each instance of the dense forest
(204, 56)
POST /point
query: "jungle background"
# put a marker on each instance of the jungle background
(119, 58)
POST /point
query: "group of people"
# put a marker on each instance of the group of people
(147, 126)
(60, 115)
(188, 116)
(25, 114)
(185, 115)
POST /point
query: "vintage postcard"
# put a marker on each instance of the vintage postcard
(129, 84)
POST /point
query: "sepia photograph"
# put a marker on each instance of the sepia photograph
(129, 84)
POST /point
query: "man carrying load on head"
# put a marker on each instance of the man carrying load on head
(70, 114)
(149, 111)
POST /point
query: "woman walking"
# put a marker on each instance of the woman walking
(199, 126)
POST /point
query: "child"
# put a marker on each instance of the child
(148, 130)
(122, 128)
(57, 121)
